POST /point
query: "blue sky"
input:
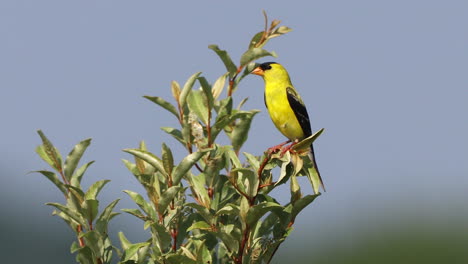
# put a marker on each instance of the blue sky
(386, 79)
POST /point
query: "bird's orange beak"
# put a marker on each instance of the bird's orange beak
(258, 71)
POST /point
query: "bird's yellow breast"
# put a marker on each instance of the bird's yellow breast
(281, 112)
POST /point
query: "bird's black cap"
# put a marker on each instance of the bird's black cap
(266, 65)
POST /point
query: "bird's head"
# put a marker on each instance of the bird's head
(271, 71)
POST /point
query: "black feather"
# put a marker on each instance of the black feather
(300, 111)
(266, 65)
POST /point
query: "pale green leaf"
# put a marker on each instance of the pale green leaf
(49, 153)
(176, 133)
(218, 86)
(302, 203)
(206, 87)
(163, 103)
(197, 102)
(257, 211)
(224, 56)
(305, 143)
(142, 203)
(69, 212)
(198, 186)
(132, 250)
(188, 88)
(74, 157)
(200, 225)
(254, 54)
(175, 89)
(78, 175)
(167, 197)
(94, 189)
(149, 158)
(167, 159)
(185, 165)
(106, 215)
(55, 180)
(90, 209)
(241, 130)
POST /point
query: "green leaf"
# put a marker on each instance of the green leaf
(302, 203)
(137, 213)
(203, 254)
(141, 164)
(162, 235)
(124, 241)
(148, 157)
(49, 153)
(175, 133)
(167, 197)
(286, 169)
(241, 130)
(279, 31)
(198, 186)
(314, 179)
(254, 54)
(76, 197)
(249, 180)
(78, 175)
(305, 143)
(85, 256)
(74, 158)
(218, 86)
(132, 250)
(167, 159)
(206, 87)
(142, 203)
(40, 150)
(179, 259)
(224, 56)
(70, 213)
(200, 225)
(228, 240)
(90, 208)
(229, 209)
(203, 211)
(163, 103)
(94, 241)
(244, 209)
(94, 190)
(253, 161)
(197, 102)
(257, 211)
(55, 180)
(247, 70)
(185, 165)
(242, 103)
(295, 189)
(175, 89)
(187, 88)
(255, 39)
(106, 215)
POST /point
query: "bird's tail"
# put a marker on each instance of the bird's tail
(314, 163)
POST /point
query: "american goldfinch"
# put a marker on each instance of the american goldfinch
(285, 106)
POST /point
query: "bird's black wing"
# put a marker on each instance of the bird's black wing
(299, 110)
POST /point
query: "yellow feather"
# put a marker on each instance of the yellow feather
(276, 82)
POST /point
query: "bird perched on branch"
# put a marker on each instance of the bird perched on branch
(286, 109)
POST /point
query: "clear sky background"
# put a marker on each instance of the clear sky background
(388, 80)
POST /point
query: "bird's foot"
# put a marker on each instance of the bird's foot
(288, 148)
(277, 147)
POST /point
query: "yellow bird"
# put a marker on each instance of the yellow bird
(285, 106)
